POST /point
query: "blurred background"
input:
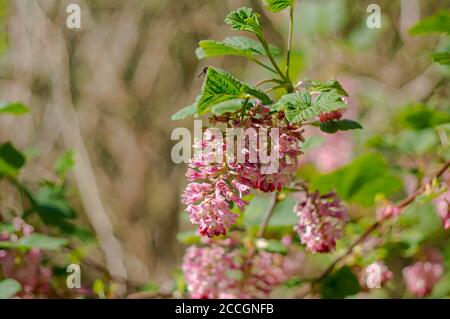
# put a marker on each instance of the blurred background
(107, 91)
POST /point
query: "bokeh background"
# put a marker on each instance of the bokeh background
(107, 91)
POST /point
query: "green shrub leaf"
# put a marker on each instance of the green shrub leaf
(301, 107)
(14, 108)
(9, 288)
(241, 46)
(438, 23)
(244, 19)
(11, 160)
(221, 86)
(441, 57)
(339, 125)
(278, 5)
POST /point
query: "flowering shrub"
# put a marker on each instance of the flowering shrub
(242, 252)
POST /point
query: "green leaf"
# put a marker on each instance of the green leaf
(275, 246)
(283, 215)
(41, 241)
(241, 46)
(441, 57)
(186, 112)
(14, 108)
(360, 181)
(278, 5)
(421, 116)
(9, 288)
(51, 204)
(11, 160)
(339, 125)
(64, 163)
(300, 106)
(327, 86)
(340, 284)
(244, 19)
(220, 86)
(189, 238)
(230, 106)
(439, 23)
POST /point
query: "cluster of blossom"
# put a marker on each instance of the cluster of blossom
(223, 271)
(26, 267)
(215, 184)
(375, 275)
(388, 211)
(321, 219)
(442, 204)
(422, 276)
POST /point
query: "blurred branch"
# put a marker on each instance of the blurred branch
(402, 204)
(267, 215)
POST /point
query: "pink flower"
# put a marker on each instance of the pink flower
(442, 205)
(25, 267)
(321, 219)
(221, 271)
(387, 212)
(376, 275)
(421, 277)
(217, 184)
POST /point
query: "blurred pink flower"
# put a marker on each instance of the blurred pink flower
(321, 219)
(421, 277)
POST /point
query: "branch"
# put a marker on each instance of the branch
(267, 215)
(402, 204)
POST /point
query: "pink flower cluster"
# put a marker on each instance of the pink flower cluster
(212, 189)
(321, 219)
(216, 184)
(26, 267)
(442, 204)
(224, 272)
(421, 277)
(388, 212)
(375, 275)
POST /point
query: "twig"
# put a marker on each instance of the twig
(408, 200)
(267, 215)
(291, 31)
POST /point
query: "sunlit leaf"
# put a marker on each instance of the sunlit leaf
(9, 288)
(339, 125)
(14, 108)
(278, 5)
(244, 19)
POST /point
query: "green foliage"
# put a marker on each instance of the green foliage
(340, 284)
(278, 5)
(13, 108)
(421, 116)
(186, 112)
(244, 19)
(35, 240)
(9, 288)
(274, 246)
(230, 106)
(438, 23)
(11, 160)
(339, 125)
(51, 204)
(188, 238)
(441, 57)
(301, 107)
(327, 86)
(64, 163)
(283, 215)
(220, 86)
(360, 181)
(241, 46)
